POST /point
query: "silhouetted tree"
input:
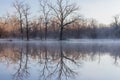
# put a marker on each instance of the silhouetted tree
(93, 25)
(19, 6)
(44, 8)
(117, 28)
(26, 12)
(63, 11)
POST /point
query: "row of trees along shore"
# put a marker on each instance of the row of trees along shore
(60, 20)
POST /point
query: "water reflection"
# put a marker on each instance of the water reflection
(58, 61)
(22, 69)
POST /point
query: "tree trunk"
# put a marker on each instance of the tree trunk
(61, 33)
(27, 29)
(21, 34)
(27, 32)
(40, 33)
(46, 31)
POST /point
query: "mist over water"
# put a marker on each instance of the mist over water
(59, 61)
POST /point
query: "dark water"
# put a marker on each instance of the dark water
(59, 61)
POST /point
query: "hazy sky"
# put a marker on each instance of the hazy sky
(101, 10)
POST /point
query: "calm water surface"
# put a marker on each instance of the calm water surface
(59, 61)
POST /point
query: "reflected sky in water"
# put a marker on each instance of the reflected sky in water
(59, 61)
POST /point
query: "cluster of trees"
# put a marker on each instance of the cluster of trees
(58, 21)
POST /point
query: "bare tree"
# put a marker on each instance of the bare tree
(116, 23)
(18, 6)
(93, 25)
(26, 12)
(45, 12)
(116, 20)
(63, 11)
(40, 27)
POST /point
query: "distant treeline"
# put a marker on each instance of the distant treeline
(9, 28)
(55, 22)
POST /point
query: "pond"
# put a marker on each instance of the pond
(59, 61)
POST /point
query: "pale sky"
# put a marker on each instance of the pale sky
(101, 10)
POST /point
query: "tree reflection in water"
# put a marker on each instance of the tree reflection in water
(51, 64)
(22, 70)
(53, 61)
(59, 70)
